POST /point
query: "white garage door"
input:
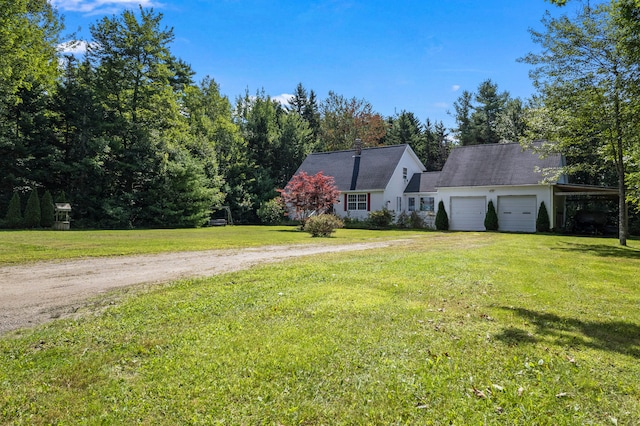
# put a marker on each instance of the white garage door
(517, 213)
(467, 213)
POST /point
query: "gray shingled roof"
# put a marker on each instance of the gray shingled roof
(494, 164)
(376, 165)
(423, 182)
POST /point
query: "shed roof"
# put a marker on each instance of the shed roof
(495, 164)
(62, 207)
(372, 170)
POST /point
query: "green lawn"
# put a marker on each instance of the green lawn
(29, 246)
(452, 328)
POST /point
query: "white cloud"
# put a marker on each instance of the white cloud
(93, 7)
(75, 47)
(455, 87)
(283, 99)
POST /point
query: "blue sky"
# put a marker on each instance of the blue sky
(405, 55)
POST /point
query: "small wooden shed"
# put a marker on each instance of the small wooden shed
(62, 216)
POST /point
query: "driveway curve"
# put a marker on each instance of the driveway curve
(35, 293)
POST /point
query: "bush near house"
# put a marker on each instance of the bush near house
(410, 221)
(542, 221)
(272, 212)
(380, 219)
(323, 225)
(416, 221)
(491, 218)
(442, 220)
(403, 221)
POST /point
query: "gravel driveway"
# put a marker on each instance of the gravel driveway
(35, 293)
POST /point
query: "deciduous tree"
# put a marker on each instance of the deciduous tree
(308, 195)
(588, 83)
(345, 120)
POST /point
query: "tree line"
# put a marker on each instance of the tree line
(128, 137)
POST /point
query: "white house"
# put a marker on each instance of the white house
(368, 179)
(510, 176)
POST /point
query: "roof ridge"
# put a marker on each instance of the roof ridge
(404, 145)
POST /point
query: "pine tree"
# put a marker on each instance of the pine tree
(442, 220)
(47, 211)
(491, 218)
(32, 211)
(542, 222)
(14, 212)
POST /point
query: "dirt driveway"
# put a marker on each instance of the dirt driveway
(36, 293)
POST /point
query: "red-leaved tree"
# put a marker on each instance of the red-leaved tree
(308, 195)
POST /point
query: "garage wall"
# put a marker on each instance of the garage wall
(541, 192)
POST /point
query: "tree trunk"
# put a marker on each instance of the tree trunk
(623, 217)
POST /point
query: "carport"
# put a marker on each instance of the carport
(568, 195)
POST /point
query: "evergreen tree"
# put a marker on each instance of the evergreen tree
(211, 119)
(491, 218)
(464, 107)
(442, 219)
(489, 105)
(13, 219)
(47, 211)
(542, 221)
(32, 213)
(405, 128)
(298, 102)
(82, 129)
(483, 117)
(311, 114)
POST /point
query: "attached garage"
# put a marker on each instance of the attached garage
(517, 213)
(467, 213)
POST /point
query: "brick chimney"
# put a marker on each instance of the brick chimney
(358, 147)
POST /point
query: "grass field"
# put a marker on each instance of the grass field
(30, 246)
(452, 328)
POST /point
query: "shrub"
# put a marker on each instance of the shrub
(416, 221)
(442, 220)
(355, 223)
(13, 219)
(542, 221)
(32, 211)
(380, 219)
(47, 211)
(403, 220)
(271, 212)
(491, 218)
(323, 225)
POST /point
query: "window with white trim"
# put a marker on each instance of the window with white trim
(412, 204)
(427, 204)
(356, 201)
